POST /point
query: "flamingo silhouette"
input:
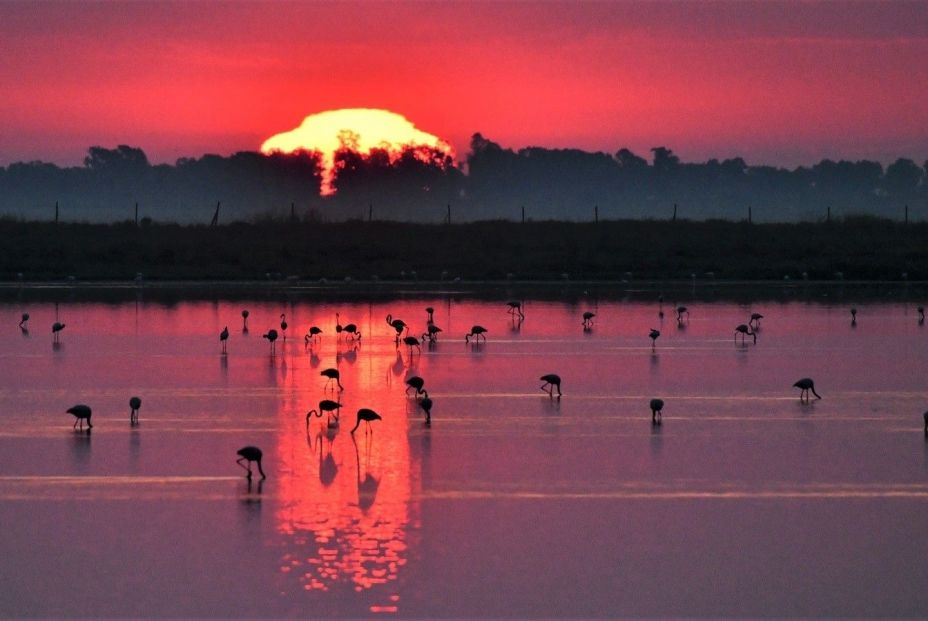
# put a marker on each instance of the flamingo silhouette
(332, 374)
(314, 332)
(551, 381)
(426, 405)
(271, 336)
(515, 308)
(755, 320)
(223, 337)
(920, 310)
(25, 318)
(588, 319)
(57, 327)
(745, 330)
(283, 325)
(366, 415)
(805, 385)
(250, 454)
(682, 310)
(244, 321)
(397, 324)
(411, 342)
(352, 331)
(653, 334)
(134, 403)
(81, 413)
(476, 332)
(338, 325)
(431, 333)
(415, 382)
(430, 311)
(657, 407)
(853, 316)
(328, 406)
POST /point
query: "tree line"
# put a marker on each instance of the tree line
(421, 184)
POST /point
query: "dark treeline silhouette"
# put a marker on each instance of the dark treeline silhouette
(421, 183)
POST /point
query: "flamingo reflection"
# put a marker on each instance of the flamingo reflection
(367, 487)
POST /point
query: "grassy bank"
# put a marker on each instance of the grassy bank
(863, 248)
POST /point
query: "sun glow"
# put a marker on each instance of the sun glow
(358, 129)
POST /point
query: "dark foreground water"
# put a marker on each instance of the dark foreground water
(744, 502)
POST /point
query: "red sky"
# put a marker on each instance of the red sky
(781, 83)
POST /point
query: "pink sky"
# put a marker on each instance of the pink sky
(781, 83)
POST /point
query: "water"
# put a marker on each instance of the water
(745, 502)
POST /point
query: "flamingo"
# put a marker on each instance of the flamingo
(920, 310)
(352, 330)
(271, 336)
(328, 406)
(56, 328)
(332, 374)
(653, 334)
(25, 318)
(431, 333)
(515, 308)
(338, 325)
(552, 381)
(426, 405)
(397, 324)
(745, 330)
(476, 332)
(244, 321)
(134, 403)
(657, 407)
(223, 337)
(805, 385)
(412, 341)
(588, 319)
(81, 413)
(755, 320)
(853, 316)
(926, 424)
(430, 311)
(367, 416)
(313, 334)
(415, 382)
(283, 325)
(250, 454)
(681, 310)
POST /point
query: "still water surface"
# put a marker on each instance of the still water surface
(745, 502)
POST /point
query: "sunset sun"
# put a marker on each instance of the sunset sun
(360, 129)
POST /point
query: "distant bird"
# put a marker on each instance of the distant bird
(657, 407)
(283, 325)
(653, 334)
(745, 330)
(588, 319)
(328, 406)
(367, 416)
(25, 318)
(515, 308)
(682, 310)
(476, 332)
(853, 315)
(415, 382)
(56, 328)
(271, 336)
(81, 413)
(430, 311)
(805, 385)
(426, 405)
(250, 454)
(313, 334)
(411, 342)
(244, 321)
(755, 320)
(352, 330)
(134, 403)
(920, 310)
(338, 325)
(551, 381)
(332, 374)
(431, 333)
(397, 324)
(223, 337)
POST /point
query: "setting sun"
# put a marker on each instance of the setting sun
(360, 129)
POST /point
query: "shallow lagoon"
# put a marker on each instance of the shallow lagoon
(745, 502)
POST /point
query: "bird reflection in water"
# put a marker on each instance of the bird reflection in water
(367, 486)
